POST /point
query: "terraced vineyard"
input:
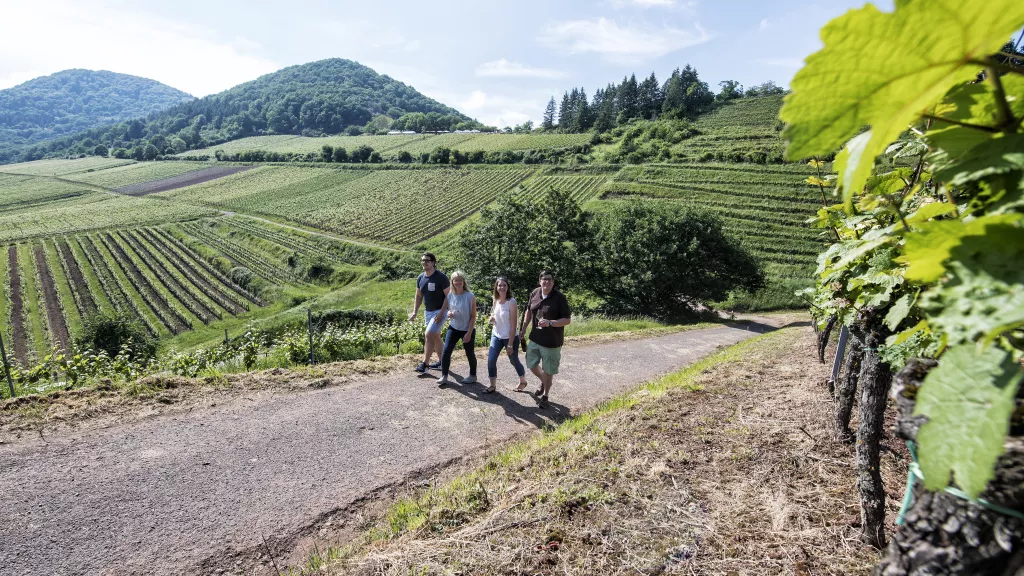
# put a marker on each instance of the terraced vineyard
(741, 195)
(580, 188)
(744, 130)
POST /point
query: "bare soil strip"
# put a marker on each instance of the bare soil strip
(84, 299)
(18, 333)
(180, 181)
(54, 314)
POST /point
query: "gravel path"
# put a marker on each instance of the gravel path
(186, 493)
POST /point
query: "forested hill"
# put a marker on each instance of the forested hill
(75, 100)
(324, 97)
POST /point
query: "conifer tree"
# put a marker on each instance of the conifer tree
(649, 98)
(565, 113)
(675, 96)
(549, 115)
(629, 100)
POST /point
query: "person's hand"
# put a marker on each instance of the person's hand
(412, 317)
(468, 338)
(509, 348)
(451, 314)
(490, 320)
(436, 319)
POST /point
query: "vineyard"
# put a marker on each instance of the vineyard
(136, 173)
(391, 145)
(401, 207)
(51, 286)
(63, 167)
(765, 206)
(744, 130)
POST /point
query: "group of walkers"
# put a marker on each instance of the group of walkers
(547, 313)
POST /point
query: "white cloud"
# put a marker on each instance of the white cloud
(503, 68)
(781, 62)
(764, 24)
(501, 111)
(621, 43)
(38, 39)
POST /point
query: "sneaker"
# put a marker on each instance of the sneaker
(442, 381)
(471, 379)
(543, 402)
(435, 365)
(421, 368)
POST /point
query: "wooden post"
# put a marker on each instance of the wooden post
(7, 366)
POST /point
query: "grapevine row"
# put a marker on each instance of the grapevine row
(189, 257)
(112, 284)
(205, 284)
(178, 287)
(80, 289)
(239, 255)
(171, 317)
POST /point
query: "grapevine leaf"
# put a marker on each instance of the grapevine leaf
(899, 311)
(929, 247)
(855, 81)
(984, 296)
(929, 211)
(993, 156)
(968, 399)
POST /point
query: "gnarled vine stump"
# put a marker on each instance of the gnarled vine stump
(943, 534)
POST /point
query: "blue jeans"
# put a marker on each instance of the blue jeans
(497, 346)
(452, 339)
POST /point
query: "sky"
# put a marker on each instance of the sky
(496, 61)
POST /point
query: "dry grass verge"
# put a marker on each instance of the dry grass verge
(727, 467)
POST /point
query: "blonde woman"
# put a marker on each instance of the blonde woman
(462, 320)
(504, 336)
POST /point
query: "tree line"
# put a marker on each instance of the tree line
(683, 95)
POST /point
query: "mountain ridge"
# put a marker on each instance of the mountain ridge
(77, 99)
(322, 97)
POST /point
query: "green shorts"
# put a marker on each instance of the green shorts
(548, 358)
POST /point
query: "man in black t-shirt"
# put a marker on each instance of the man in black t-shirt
(548, 314)
(432, 288)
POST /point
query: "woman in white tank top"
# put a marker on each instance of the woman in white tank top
(504, 335)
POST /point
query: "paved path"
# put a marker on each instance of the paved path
(171, 494)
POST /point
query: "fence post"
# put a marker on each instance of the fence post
(226, 341)
(309, 328)
(7, 366)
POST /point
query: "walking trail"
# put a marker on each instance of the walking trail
(191, 493)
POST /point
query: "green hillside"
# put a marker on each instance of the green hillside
(72, 101)
(324, 97)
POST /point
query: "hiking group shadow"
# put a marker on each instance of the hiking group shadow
(505, 398)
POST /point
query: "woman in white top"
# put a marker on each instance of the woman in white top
(504, 311)
(461, 328)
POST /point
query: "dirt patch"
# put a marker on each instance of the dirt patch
(732, 470)
(54, 311)
(18, 334)
(180, 181)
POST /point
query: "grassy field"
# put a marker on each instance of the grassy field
(390, 146)
(136, 173)
(63, 167)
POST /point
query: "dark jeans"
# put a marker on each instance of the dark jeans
(451, 340)
(497, 347)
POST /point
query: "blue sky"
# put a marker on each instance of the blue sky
(496, 61)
